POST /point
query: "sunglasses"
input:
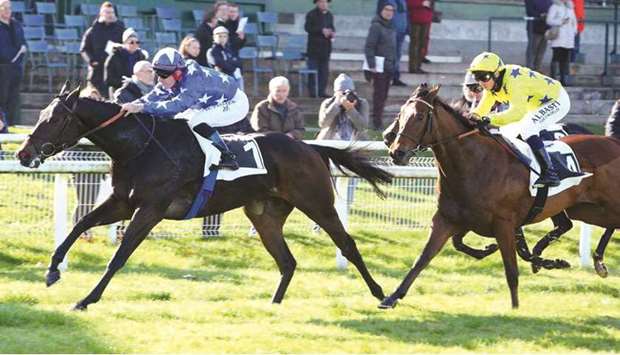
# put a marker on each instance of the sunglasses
(474, 88)
(483, 76)
(134, 42)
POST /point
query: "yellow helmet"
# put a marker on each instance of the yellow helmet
(486, 62)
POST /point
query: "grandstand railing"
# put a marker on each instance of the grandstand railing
(40, 201)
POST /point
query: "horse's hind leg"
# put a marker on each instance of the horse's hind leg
(268, 217)
(322, 211)
(599, 254)
(562, 225)
(457, 241)
(110, 211)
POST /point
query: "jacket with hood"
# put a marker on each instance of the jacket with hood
(400, 21)
(381, 42)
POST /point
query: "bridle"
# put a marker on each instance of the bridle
(49, 148)
(418, 146)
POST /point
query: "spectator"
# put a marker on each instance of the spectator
(580, 14)
(562, 14)
(321, 31)
(420, 17)
(345, 115)
(204, 35)
(472, 93)
(381, 42)
(400, 22)
(106, 28)
(278, 113)
(190, 48)
(221, 12)
(237, 38)
(221, 57)
(536, 28)
(12, 52)
(141, 83)
(120, 64)
(612, 128)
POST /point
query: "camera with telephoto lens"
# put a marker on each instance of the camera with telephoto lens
(350, 96)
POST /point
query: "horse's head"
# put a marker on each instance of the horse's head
(58, 128)
(411, 131)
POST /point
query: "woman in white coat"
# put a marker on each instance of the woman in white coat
(562, 15)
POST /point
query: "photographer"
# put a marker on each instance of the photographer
(345, 115)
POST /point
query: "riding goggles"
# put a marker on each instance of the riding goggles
(483, 76)
(476, 88)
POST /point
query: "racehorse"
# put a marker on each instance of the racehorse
(485, 189)
(157, 170)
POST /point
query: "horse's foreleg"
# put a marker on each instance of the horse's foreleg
(144, 219)
(441, 230)
(599, 254)
(457, 241)
(504, 233)
(268, 218)
(110, 211)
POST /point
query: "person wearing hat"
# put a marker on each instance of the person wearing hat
(120, 64)
(321, 31)
(221, 57)
(343, 116)
(106, 28)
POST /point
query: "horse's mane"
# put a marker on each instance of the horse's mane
(117, 107)
(423, 91)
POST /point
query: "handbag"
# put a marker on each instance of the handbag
(552, 33)
(437, 15)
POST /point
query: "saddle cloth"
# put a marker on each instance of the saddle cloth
(248, 154)
(564, 160)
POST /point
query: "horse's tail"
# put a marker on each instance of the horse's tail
(355, 160)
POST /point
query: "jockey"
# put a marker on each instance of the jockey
(204, 97)
(535, 101)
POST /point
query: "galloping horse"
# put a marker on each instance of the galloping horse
(157, 169)
(485, 189)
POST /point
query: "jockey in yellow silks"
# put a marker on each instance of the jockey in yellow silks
(535, 101)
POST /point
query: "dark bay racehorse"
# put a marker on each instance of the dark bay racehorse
(485, 189)
(157, 169)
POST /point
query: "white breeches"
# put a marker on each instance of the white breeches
(550, 113)
(220, 115)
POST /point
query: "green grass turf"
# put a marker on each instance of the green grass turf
(190, 295)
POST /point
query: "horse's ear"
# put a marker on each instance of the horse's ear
(434, 91)
(73, 95)
(65, 88)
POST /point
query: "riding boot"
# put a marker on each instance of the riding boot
(548, 175)
(228, 159)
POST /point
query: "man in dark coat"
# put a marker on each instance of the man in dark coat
(536, 28)
(381, 42)
(236, 38)
(141, 83)
(400, 22)
(204, 35)
(321, 31)
(12, 53)
(106, 28)
(120, 64)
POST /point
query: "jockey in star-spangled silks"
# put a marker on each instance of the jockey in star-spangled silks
(206, 98)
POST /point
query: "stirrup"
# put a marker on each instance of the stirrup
(548, 181)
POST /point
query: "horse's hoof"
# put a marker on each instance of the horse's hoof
(600, 268)
(562, 264)
(80, 307)
(388, 302)
(51, 277)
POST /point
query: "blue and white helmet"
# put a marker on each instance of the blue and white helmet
(167, 61)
